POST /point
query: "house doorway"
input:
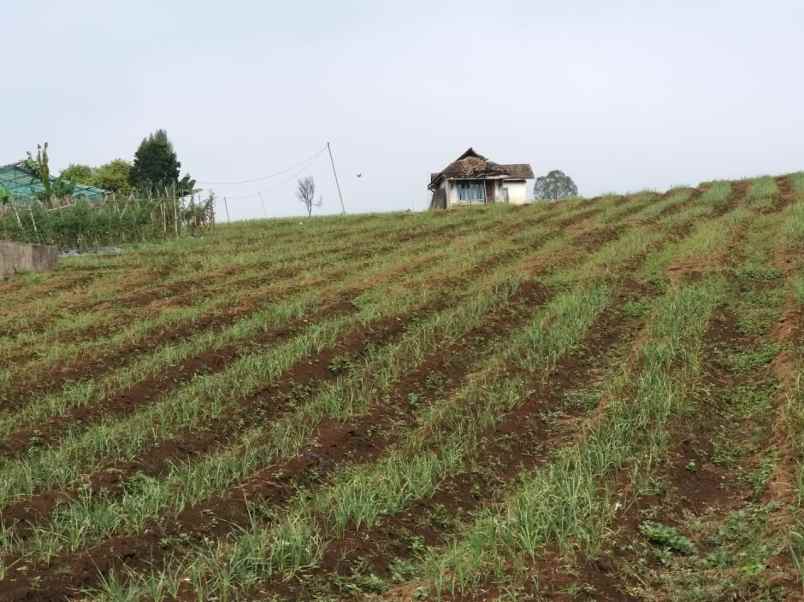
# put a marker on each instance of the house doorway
(490, 198)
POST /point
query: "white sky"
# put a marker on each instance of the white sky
(620, 95)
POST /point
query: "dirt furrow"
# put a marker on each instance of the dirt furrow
(142, 393)
(85, 367)
(675, 208)
(522, 441)
(786, 196)
(334, 444)
(669, 532)
(42, 503)
(738, 192)
(146, 292)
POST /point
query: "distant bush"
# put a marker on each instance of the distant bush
(83, 225)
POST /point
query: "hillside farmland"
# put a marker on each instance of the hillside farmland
(594, 399)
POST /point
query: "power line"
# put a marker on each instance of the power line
(272, 187)
(269, 176)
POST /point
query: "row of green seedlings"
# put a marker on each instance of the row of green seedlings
(567, 503)
(265, 549)
(320, 252)
(326, 329)
(300, 275)
(268, 317)
(330, 242)
(175, 317)
(344, 398)
(441, 444)
(570, 502)
(728, 552)
(792, 393)
(634, 204)
(247, 273)
(143, 328)
(675, 197)
(743, 546)
(759, 193)
(99, 441)
(223, 260)
(85, 393)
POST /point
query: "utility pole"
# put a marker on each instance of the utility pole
(226, 205)
(262, 200)
(335, 173)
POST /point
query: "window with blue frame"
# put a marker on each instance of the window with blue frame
(471, 192)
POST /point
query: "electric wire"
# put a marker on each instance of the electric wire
(304, 162)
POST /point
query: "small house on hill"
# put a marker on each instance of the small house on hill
(24, 186)
(473, 179)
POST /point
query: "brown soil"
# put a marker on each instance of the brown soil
(266, 405)
(788, 334)
(186, 445)
(738, 192)
(174, 294)
(694, 486)
(786, 197)
(142, 393)
(334, 444)
(695, 194)
(142, 293)
(51, 377)
(523, 440)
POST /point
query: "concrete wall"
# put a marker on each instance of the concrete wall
(18, 257)
(517, 192)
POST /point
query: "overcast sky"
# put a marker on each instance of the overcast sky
(620, 95)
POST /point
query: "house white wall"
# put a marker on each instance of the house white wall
(452, 192)
(517, 191)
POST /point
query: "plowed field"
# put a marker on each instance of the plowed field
(597, 399)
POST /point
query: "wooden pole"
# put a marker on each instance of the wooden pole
(33, 221)
(19, 221)
(175, 210)
(335, 173)
(226, 205)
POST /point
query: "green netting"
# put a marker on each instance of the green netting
(23, 186)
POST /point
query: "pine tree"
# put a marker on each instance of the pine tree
(157, 167)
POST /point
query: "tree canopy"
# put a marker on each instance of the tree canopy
(78, 173)
(156, 166)
(112, 176)
(554, 186)
(40, 167)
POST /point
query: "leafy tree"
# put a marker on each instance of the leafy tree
(40, 166)
(113, 176)
(186, 185)
(305, 192)
(78, 174)
(156, 166)
(554, 186)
